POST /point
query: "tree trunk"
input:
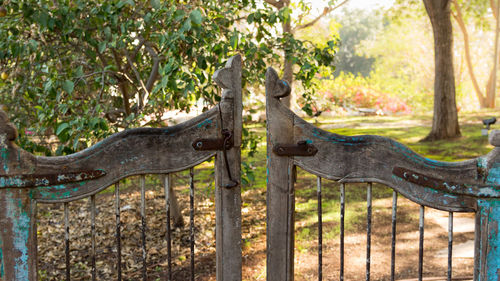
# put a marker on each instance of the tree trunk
(461, 24)
(288, 65)
(491, 93)
(445, 119)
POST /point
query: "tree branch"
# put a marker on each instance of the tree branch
(153, 76)
(493, 6)
(325, 12)
(461, 24)
(142, 41)
(138, 77)
(123, 86)
(277, 4)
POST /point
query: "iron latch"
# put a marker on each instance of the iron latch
(302, 148)
(226, 142)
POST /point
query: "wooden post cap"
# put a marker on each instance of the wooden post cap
(494, 138)
(7, 128)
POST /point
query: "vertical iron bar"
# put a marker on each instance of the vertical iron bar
(118, 233)
(421, 243)
(143, 227)
(368, 228)
(320, 231)
(342, 212)
(450, 245)
(191, 219)
(393, 234)
(66, 240)
(166, 184)
(92, 233)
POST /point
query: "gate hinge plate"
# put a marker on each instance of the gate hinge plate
(302, 148)
(214, 144)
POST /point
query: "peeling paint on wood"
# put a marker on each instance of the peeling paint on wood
(16, 235)
(488, 252)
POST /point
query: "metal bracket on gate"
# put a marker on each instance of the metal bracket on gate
(215, 144)
(302, 148)
(224, 143)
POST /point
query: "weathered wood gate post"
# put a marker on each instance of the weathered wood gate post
(280, 190)
(228, 193)
(17, 244)
(487, 240)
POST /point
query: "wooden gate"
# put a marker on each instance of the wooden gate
(468, 186)
(27, 180)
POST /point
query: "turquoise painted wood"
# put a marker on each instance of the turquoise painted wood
(16, 235)
(487, 265)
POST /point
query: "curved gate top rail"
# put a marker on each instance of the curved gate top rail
(467, 186)
(450, 186)
(26, 179)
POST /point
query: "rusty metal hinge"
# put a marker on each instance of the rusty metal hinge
(302, 148)
(226, 142)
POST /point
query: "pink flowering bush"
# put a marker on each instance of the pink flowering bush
(348, 92)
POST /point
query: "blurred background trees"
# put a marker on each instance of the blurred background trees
(74, 72)
(78, 71)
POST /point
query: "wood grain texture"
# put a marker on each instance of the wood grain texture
(130, 152)
(280, 189)
(18, 250)
(373, 159)
(487, 246)
(228, 199)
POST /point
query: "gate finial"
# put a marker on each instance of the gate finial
(278, 88)
(224, 77)
(6, 128)
(494, 138)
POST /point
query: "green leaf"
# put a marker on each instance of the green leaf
(61, 128)
(179, 14)
(125, 2)
(250, 18)
(196, 17)
(156, 4)
(101, 47)
(186, 26)
(68, 86)
(234, 41)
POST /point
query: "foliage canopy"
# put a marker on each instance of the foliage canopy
(81, 70)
